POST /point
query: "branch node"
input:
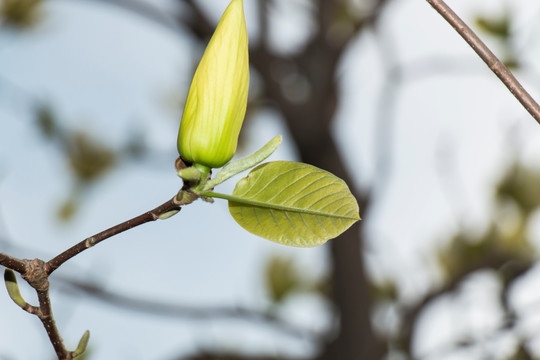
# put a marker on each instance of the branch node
(36, 274)
(185, 197)
(91, 241)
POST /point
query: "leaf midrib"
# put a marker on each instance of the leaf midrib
(266, 205)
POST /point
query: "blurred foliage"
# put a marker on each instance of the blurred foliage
(46, 120)
(522, 354)
(500, 28)
(517, 197)
(504, 248)
(511, 62)
(384, 290)
(21, 14)
(495, 26)
(466, 253)
(321, 286)
(522, 185)
(68, 208)
(282, 278)
(88, 158)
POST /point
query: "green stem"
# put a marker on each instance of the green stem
(237, 166)
(205, 171)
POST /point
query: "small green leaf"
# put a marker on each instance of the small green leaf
(237, 166)
(168, 214)
(292, 204)
(13, 289)
(83, 343)
(190, 174)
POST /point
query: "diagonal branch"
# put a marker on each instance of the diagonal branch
(502, 72)
(170, 207)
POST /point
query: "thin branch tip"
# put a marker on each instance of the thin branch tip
(498, 68)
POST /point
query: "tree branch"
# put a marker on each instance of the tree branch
(508, 79)
(497, 261)
(211, 355)
(198, 22)
(12, 263)
(170, 310)
(47, 319)
(37, 278)
(264, 24)
(170, 207)
(36, 272)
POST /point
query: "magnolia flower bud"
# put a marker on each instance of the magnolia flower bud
(217, 99)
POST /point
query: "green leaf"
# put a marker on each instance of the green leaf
(81, 347)
(237, 166)
(13, 289)
(292, 204)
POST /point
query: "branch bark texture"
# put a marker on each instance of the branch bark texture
(12, 263)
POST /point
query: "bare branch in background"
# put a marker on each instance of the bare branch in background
(184, 312)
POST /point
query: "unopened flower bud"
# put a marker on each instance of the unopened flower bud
(217, 99)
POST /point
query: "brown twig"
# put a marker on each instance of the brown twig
(46, 317)
(152, 215)
(36, 272)
(12, 263)
(37, 277)
(502, 72)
